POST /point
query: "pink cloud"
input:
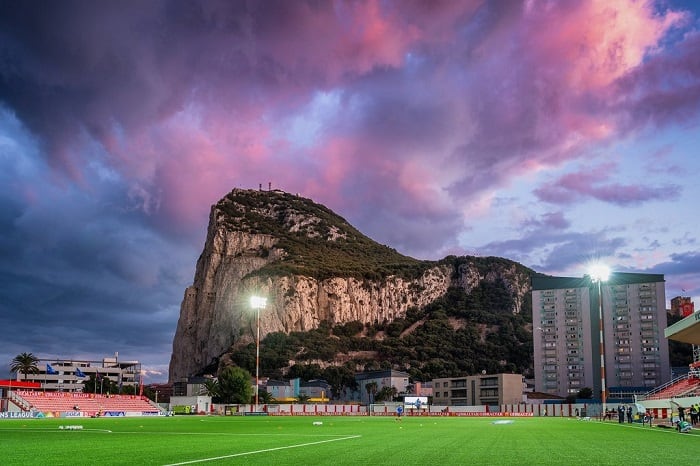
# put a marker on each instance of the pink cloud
(440, 102)
(594, 184)
(596, 41)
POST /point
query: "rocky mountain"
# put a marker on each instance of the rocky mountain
(314, 268)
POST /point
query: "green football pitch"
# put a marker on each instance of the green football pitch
(340, 440)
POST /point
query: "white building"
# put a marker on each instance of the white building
(68, 375)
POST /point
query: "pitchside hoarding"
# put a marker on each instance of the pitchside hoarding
(415, 402)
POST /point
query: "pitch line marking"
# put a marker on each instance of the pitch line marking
(255, 452)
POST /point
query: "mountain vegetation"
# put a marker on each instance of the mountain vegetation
(483, 322)
(463, 332)
(316, 241)
(456, 335)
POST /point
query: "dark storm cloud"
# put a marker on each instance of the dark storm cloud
(122, 122)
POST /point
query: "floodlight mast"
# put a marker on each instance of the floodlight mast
(600, 273)
(257, 303)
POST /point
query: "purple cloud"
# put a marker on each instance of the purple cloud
(122, 123)
(594, 184)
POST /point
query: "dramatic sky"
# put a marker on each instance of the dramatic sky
(549, 132)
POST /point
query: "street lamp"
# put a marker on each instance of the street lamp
(600, 273)
(257, 303)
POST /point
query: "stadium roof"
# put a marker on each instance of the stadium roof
(686, 330)
(9, 383)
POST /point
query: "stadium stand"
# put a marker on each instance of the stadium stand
(86, 403)
(685, 387)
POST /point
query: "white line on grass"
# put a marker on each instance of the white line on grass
(657, 428)
(255, 452)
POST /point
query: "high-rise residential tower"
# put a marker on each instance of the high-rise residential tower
(568, 353)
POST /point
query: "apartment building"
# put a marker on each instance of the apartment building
(477, 390)
(566, 333)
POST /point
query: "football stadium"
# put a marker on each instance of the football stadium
(77, 428)
(40, 423)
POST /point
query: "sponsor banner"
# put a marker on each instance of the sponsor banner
(72, 414)
(496, 414)
(149, 413)
(286, 413)
(57, 394)
(16, 415)
(391, 414)
(114, 414)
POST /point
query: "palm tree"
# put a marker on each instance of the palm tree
(25, 363)
(211, 388)
(265, 397)
(386, 394)
(371, 390)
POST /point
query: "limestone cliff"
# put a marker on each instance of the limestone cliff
(313, 267)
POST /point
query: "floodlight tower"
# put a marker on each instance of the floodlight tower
(599, 273)
(257, 303)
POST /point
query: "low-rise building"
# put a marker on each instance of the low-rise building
(318, 391)
(283, 391)
(68, 375)
(475, 390)
(380, 379)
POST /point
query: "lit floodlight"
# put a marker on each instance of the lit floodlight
(256, 302)
(599, 272)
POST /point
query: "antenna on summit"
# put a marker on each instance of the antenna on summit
(269, 185)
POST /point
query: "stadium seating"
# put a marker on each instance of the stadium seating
(685, 387)
(90, 404)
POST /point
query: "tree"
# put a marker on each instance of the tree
(128, 390)
(211, 388)
(371, 390)
(585, 393)
(264, 397)
(101, 384)
(25, 363)
(386, 394)
(303, 398)
(235, 386)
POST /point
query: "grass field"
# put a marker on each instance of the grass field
(340, 440)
